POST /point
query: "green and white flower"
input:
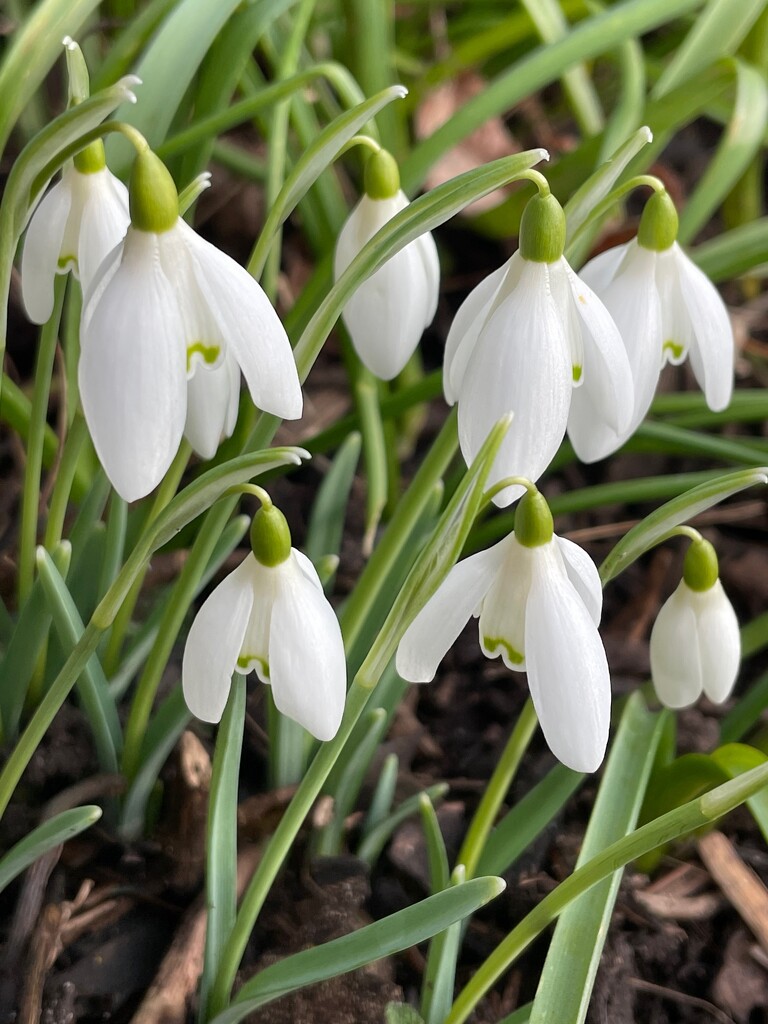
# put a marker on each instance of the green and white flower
(166, 308)
(269, 616)
(387, 314)
(538, 598)
(667, 310)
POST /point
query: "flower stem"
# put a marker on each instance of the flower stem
(485, 815)
(30, 505)
(538, 180)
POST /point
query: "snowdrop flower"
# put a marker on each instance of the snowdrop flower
(76, 225)
(165, 309)
(534, 339)
(387, 314)
(539, 599)
(270, 615)
(666, 309)
(695, 642)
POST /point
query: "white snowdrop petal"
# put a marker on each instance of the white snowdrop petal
(521, 364)
(213, 646)
(675, 663)
(568, 672)
(40, 254)
(583, 574)
(249, 326)
(103, 223)
(598, 273)
(425, 244)
(265, 584)
(632, 299)
(502, 619)
(712, 345)
(208, 406)
(676, 328)
(386, 315)
(607, 392)
(719, 642)
(436, 627)
(233, 408)
(131, 373)
(104, 274)
(469, 321)
(306, 657)
(307, 567)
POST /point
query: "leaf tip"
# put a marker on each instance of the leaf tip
(646, 132)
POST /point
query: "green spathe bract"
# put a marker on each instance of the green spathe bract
(533, 520)
(658, 224)
(700, 568)
(381, 177)
(542, 230)
(270, 536)
(154, 201)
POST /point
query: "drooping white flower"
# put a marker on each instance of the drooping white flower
(538, 598)
(695, 641)
(166, 307)
(388, 312)
(274, 619)
(77, 223)
(666, 309)
(533, 339)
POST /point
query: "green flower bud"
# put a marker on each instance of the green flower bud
(270, 536)
(700, 568)
(533, 520)
(153, 199)
(381, 177)
(658, 224)
(542, 230)
(91, 159)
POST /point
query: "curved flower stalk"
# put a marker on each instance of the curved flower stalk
(666, 309)
(538, 598)
(695, 642)
(79, 221)
(387, 314)
(533, 339)
(270, 615)
(168, 323)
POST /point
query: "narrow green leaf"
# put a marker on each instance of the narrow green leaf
(92, 687)
(437, 857)
(440, 974)
(734, 252)
(400, 931)
(737, 758)
(528, 819)
(628, 112)
(45, 837)
(401, 1013)
(566, 982)
(746, 712)
(168, 723)
(326, 520)
(375, 841)
(384, 794)
(221, 839)
(656, 526)
(716, 33)
(740, 142)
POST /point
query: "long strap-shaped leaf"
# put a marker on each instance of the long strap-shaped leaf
(44, 838)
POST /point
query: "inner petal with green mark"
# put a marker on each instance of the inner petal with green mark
(67, 262)
(199, 352)
(577, 374)
(248, 662)
(497, 645)
(671, 347)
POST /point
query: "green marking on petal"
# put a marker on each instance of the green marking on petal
(577, 372)
(67, 262)
(208, 353)
(673, 347)
(494, 643)
(246, 661)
